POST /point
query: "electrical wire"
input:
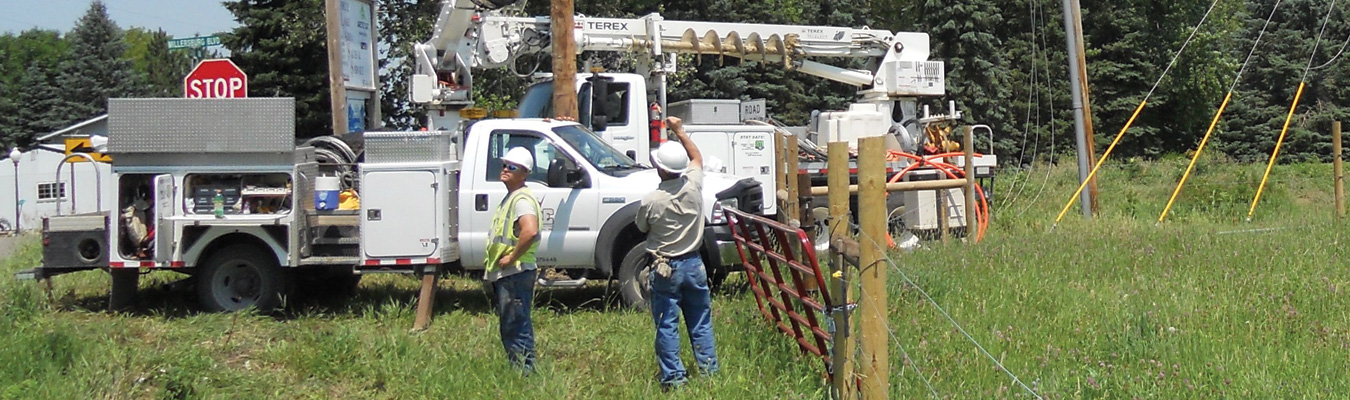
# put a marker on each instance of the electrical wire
(896, 339)
(949, 317)
(1292, 107)
(1053, 119)
(1219, 114)
(1126, 128)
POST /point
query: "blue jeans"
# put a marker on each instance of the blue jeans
(685, 291)
(514, 298)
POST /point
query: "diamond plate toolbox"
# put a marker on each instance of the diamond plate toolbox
(395, 147)
(168, 125)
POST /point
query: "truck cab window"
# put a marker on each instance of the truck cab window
(544, 152)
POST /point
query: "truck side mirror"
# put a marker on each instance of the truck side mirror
(562, 173)
(599, 99)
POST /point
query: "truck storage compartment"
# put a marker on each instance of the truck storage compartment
(75, 240)
(409, 187)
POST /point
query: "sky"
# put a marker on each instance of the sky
(178, 18)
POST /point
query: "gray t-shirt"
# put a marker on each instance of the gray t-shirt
(523, 208)
(672, 215)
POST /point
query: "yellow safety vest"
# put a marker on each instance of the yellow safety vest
(502, 240)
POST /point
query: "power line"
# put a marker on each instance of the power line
(949, 317)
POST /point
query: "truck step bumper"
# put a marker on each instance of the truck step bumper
(47, 272)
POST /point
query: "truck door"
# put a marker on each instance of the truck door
(568, 227)
(400, 214)
(163, 251)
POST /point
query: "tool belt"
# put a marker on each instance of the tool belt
(661, 266)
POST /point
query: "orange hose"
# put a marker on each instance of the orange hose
(982, 212)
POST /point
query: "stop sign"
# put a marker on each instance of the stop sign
(215, 79)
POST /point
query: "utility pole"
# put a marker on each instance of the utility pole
(1089, 133)
(1081, 113)
(564, 61)
(337, 90)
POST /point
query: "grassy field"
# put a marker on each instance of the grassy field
(1203, 306)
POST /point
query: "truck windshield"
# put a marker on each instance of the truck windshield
(538, 101)
(605, 157)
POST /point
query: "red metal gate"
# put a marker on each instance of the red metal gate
(771, 249)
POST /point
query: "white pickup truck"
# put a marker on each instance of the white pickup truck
(427, 199)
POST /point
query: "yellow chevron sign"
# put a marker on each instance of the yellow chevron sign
(82, 145)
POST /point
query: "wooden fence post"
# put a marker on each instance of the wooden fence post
(875, 362)
(427, 298)
(969, 144)
(781, 176)
(794, 207)
(1337, 172)
(840, 227)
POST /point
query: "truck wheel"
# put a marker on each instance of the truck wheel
(634, 283)
(122, 295)
(239, 277)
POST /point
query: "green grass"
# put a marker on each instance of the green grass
(360, 348)
(1115, 307)
(1204, 305)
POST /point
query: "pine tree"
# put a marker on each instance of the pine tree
(96, 68)
(1271, 82)
(43, 103)
(280, 44)
(160, 69)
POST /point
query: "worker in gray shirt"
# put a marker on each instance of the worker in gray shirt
(672, 217)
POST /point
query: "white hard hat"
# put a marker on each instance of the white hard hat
(671, 157)
(519, 156)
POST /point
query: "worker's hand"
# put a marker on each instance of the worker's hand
(676, 127)
(505, 261)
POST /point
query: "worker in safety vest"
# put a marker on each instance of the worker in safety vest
(672, 216)
(511, 269)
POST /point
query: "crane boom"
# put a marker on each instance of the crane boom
(470, 35)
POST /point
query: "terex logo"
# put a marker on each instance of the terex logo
(607, 26)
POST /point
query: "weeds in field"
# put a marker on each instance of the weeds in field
(1204, 305)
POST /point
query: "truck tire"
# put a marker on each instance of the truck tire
(122, 294)
(634, 277)
(634, 283)
(241, 276)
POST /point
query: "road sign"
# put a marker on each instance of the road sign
(215, 79)
(84, 145)
(194, 42)
(754, 110)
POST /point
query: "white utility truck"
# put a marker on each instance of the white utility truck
(898, 74)
(228, 198)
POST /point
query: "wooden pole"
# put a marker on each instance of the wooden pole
(1337, 172)
(942, 213)
(1088, 133)
(1076, 88)
(840, 228)
(802, 193)
(427, 299)
(564, 61)
(794, 209)
(875, 363)
(336, 88)
(781, 183)
(969, 144)
(899, 186)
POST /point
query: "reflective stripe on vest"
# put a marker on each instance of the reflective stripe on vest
(502, 239)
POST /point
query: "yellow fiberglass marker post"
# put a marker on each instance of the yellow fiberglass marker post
(1100, 161)
(1273, 154)
(1198, 151)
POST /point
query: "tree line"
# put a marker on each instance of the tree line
(1005, 59)
(50, 80)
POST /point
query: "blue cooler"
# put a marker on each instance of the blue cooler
(326, 190)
